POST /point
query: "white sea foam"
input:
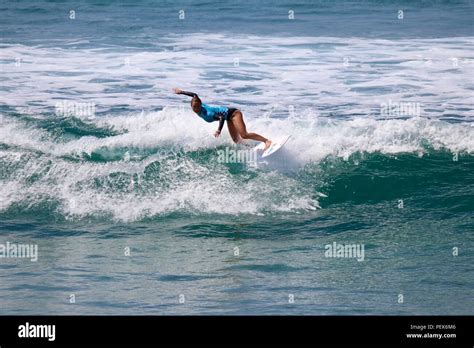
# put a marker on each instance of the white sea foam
(334, 75)
(324, 92)
(192, 184)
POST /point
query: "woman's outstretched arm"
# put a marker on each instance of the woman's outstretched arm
(189, 94)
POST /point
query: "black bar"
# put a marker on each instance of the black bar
(224, 330)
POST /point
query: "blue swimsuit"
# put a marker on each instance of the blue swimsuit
(211, 113)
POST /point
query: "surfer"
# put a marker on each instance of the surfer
(233, 116)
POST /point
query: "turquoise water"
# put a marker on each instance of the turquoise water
(142, 175)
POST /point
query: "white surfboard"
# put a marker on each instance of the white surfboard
(274, 147)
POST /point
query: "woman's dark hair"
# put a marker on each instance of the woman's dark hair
(198, 105)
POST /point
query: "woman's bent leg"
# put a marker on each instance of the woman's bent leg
(234, 134)
(238, 122)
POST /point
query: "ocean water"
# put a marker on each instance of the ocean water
(133, 212)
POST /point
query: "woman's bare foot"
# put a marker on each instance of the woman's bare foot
(267, 145)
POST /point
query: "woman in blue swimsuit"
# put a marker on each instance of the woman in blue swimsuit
(233, 116)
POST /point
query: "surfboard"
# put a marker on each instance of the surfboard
(274, 147)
